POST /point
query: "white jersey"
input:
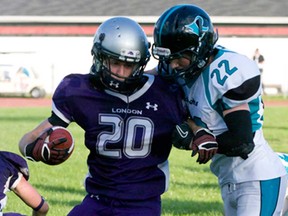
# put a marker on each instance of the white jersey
(284, 159)
(209, 95)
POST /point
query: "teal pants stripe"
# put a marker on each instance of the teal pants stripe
(269, 196)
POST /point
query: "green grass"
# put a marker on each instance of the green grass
(193, 188)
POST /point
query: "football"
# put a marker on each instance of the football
(60, 145)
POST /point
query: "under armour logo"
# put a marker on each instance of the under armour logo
(116, 85)
(182, 133)
(148, 106)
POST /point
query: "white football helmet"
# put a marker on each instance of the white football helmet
(123, 39)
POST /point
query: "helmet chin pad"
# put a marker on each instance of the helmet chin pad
(125, 86)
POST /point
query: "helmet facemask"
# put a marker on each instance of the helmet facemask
(102, 61)
(164, 61)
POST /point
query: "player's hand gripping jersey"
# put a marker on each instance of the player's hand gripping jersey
(120, 128)
(229, 81)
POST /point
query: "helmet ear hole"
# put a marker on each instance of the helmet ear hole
(101, 37)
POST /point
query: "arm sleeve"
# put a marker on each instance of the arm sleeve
(239, 131)
(56, 121)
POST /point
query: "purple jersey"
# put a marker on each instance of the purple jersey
(129, 137)
(11, 167)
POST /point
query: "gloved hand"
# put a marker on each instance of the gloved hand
(44, 150)
(205, 144)
(182, 136)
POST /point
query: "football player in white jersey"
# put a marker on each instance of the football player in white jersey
(284, 159)
(223, 92)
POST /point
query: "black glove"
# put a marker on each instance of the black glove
(182, 136)
(205, 144)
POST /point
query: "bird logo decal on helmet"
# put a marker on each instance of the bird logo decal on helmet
(196, 27)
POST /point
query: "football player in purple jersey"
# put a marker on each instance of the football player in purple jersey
(14, 176)
(223, 94)
(128, 118)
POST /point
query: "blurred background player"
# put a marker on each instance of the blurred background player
(259, 59)
(128, 118)
(223, 93)
(14, 176)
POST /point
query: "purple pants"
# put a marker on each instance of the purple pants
(94, 205)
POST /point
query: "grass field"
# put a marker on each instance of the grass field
(193, 189)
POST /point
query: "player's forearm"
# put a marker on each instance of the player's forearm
(31, 197)
(238, 140)
(25, 140)
(193, 126)
(32, 135)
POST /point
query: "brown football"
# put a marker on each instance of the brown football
(63, 147)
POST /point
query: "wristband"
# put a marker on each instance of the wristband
(40, 205)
